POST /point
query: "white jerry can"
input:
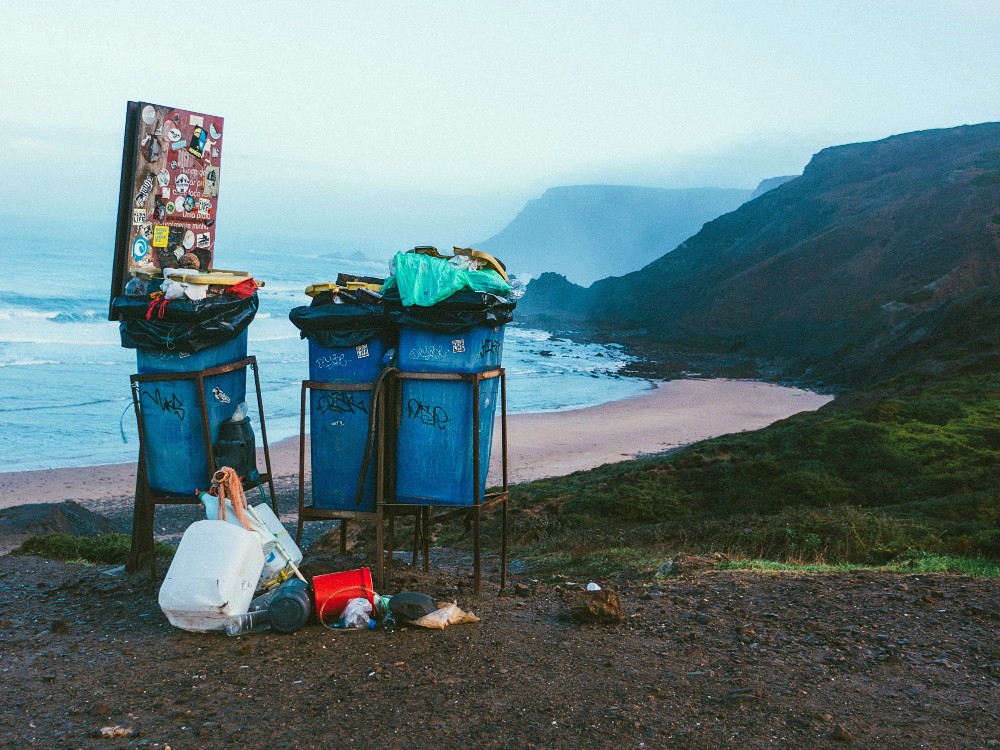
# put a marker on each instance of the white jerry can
(272, 535)
(212, 577)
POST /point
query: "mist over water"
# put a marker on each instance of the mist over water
(64, 377)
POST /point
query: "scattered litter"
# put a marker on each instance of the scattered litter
(593, 587)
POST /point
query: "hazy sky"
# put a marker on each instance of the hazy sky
(361, 120)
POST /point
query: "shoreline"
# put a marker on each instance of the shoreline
(668, 415)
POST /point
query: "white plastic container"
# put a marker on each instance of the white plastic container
(272, 534)
(212, 577)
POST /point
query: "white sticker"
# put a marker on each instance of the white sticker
(362, 351)
(148, 114)
(163, 177)
(173, 134)
(188, 239)
(198, 120)
(204, 240)
(165, 193)
(138, 215)
(458, 346)
(182, 182)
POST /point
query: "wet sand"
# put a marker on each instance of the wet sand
(670, 415)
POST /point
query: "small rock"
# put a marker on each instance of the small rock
(668, 568)
(840, 734)
(111, 733)
(522, 589)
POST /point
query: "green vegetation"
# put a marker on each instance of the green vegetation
(104, 549)
(898, 478)
(918, 563)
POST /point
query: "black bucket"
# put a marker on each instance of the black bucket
(290, 608)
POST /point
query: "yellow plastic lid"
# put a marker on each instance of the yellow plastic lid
(316, 289)
(352, 285)
(486, 258)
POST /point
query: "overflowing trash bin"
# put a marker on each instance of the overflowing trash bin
(183, 324)
(451, 314)
(349, 339)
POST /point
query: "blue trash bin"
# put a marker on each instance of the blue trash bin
(434, 462)
(338, 424)
(176, 460)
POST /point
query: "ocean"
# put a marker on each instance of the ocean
(64, 377)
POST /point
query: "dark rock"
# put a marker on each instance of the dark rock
(840, 734)
(41, 519)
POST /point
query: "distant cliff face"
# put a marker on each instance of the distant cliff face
(873, 261)
(590, 232)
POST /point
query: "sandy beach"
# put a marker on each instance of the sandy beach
(671, 414)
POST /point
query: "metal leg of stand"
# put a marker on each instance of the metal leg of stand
(426, 512)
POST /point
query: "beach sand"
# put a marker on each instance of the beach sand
(672, 414)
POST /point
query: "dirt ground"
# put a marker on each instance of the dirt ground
(704, 659)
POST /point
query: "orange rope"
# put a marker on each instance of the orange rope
(226, 483)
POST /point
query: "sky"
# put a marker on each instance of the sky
(364, 126)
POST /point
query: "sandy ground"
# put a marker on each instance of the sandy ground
(671, 414)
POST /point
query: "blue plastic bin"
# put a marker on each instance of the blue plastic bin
(434, 463)
(338, 424)
(176, 461)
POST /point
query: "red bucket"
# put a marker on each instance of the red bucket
(334, 590)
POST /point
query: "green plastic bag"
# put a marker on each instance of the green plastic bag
(424, 280)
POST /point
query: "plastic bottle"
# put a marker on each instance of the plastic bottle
(262, 601)
(249, 622)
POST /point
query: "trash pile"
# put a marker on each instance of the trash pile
(237, 571)
(184, 310)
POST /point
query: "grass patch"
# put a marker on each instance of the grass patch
(898, 478)
(104, 549)
(917, 563)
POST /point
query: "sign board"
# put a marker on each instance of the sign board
(169, 193)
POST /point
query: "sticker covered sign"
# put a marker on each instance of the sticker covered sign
(170, 176)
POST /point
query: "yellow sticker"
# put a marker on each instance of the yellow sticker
(160, 236)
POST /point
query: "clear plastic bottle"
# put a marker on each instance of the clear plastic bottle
(249, 622)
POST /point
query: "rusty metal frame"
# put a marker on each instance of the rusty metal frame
(311, 513)
(141, 551)
(479, 504)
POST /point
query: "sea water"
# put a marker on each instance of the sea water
(65, 398)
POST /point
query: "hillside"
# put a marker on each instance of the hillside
(589, 232)
(880, 258)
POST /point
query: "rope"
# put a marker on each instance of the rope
(226, 483)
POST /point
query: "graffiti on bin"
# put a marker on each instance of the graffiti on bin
(331, 360)
(427, 353)
(432, 416)
(489, 347)
(341, 402)
(171, 405)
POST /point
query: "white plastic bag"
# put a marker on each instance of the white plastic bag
(356, 614)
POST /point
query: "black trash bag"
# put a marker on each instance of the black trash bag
(459, 312)
(237, 449)
(331, 325)
(182, 326)
(411, 605)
